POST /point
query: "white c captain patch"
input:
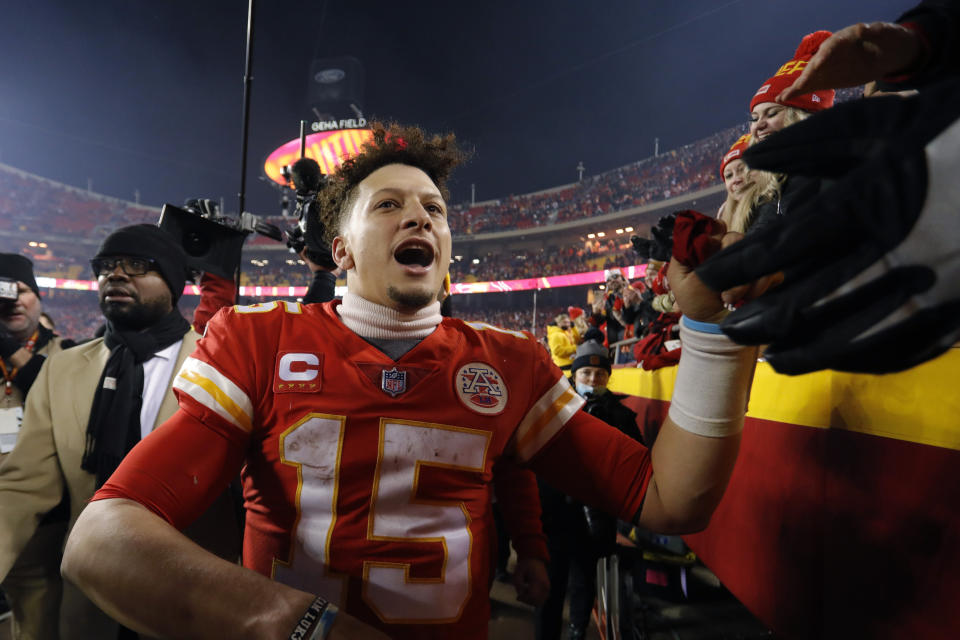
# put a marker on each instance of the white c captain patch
(481, 388)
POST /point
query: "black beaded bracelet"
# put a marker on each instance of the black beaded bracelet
(310, 619)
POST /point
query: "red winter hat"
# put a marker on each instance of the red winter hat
(574, 312)
(735, 152)
(816, 101)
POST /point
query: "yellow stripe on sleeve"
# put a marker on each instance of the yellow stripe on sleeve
(209, 387)
(546, 418)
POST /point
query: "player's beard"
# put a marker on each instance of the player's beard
(138, 315)
(415, 299)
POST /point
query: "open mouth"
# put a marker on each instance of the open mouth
(414, 253)
(117, 294)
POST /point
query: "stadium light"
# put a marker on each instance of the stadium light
(32, 244)
(601, 234)
(628, 229)
(591, 235)
(619, 230)
(476, 261)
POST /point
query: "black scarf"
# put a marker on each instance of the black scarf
(114, 426)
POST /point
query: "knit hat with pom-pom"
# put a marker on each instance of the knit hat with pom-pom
(789, 72)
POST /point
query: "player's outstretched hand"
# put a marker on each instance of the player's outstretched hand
(856, 55)
(871, 266)
(696, 237)
(531, 580)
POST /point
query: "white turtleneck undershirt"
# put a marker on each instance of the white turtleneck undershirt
(392, 332)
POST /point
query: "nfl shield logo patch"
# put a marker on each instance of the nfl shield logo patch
(393, 382)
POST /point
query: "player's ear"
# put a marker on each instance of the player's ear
(342, 254)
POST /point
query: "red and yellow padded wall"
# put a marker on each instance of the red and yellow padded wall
(842, 518)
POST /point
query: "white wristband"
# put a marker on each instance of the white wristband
(713, 383)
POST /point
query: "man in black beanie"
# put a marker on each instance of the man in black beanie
(24, 344)
(91, 404)
(578, 535)
(34, 581)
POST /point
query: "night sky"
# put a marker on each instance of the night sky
(148, 95)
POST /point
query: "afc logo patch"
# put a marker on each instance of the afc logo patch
(480, 388)
(298, 372)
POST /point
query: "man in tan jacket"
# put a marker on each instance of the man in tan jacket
(91, 404)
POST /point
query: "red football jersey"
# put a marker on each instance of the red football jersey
(368, 480)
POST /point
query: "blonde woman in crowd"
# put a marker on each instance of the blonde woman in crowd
(738, 179)
(773, 195)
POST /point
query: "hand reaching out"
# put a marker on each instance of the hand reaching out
(856, 55)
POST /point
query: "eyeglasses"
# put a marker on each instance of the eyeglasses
(131, 266)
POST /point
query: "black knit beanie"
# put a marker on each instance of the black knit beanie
(150, 241)
(17, 267)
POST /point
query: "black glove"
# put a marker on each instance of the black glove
(8, 344)
(660, 246)
(872, 264)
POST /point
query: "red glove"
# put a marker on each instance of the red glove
(691, 237)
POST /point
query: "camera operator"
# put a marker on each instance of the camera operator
(33, 584)
(307, 238)
(24, 342)
(324, 281)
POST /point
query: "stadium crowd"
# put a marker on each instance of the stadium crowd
(546, 261)
(671, 174)
(31, 206)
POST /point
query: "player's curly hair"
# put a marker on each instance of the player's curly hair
(391, 144)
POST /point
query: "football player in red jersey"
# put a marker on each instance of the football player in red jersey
(367, 430)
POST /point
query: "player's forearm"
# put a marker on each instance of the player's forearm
(697, 446)
(690, 475)
(148, 576)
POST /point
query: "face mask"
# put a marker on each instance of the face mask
(584, 389)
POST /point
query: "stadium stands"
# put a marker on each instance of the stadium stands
(60, 226)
